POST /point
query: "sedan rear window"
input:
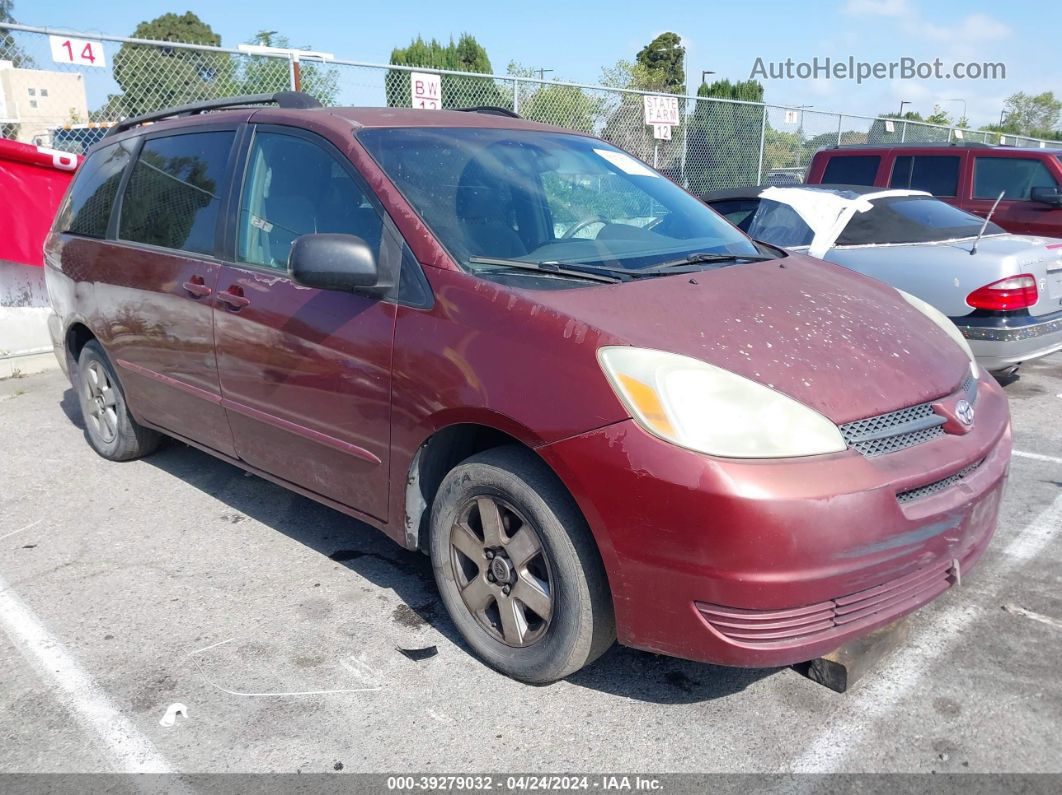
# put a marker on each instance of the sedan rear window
(851, 169)
(911, 219)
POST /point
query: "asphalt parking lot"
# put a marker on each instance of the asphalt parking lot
(128, 588)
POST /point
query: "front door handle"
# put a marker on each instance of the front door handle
(197, 287)
(234, 297)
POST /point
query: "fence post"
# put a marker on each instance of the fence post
(763, 134)
(840, 118)
(903, 133)
(293, 80)
(516, 95)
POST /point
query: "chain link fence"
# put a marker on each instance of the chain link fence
(63, 89)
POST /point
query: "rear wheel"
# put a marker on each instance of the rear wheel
(517, 568)
(110, 428)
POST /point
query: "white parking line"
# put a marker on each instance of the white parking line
(1038, 457)
(857, 715)
(130, 751)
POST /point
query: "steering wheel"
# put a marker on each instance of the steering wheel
(590, 219)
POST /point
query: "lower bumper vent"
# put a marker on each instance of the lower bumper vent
(819, 621)
(938, 486)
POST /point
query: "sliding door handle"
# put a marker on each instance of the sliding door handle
(233, 299)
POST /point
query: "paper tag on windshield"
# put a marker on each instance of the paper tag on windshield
(626, 163)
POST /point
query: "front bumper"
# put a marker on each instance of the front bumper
(699, 549)
(1001, 341)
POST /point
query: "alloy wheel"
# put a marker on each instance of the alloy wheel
(100, 401)
(502, 571)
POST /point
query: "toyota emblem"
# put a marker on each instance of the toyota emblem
(965, 412)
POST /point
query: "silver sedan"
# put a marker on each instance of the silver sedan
(1003, 291)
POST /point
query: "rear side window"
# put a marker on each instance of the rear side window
(173, 194)
(936, 174)
(739, 212)
(780, 225)
(89, 207)
(852, 169)
(1015, 177)
(294, 187)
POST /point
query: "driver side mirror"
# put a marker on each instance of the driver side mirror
(1046, 195)
(336, 262)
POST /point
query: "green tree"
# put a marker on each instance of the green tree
(664, 58)
(458, 91)
(9, 48)
(153, 77)
(260, 74)
(939, 116)
(625, 126)
(724, 137)
(564, 106)
(1037, 115)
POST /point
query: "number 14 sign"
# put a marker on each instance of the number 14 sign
(79, 52)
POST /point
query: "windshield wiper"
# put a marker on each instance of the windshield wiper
(574, 271)
(699, 259)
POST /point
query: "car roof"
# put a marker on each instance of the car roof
(754, 191)
(862, 148)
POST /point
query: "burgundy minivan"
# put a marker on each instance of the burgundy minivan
(602, 410)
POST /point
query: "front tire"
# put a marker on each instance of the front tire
(110, 428)
(517, 567)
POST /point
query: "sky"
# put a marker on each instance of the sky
(577, 39)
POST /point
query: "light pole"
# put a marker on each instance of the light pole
(705, 72)
(963, 101)
(542, 73)
(902, 103)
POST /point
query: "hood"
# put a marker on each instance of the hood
(843, 344)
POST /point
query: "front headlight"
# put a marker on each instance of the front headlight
(945, 323)
(711, 410)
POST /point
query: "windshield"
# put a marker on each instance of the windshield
(911, 219)
(546, 197)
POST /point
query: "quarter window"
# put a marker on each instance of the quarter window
(294, 187)
(172, 199)
(1014, 177)
(936, 174)
(851, 169)
(780, 225)
(88, 210)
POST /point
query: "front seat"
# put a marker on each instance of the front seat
(482, 211)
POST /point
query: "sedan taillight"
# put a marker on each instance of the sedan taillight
(1014, 292)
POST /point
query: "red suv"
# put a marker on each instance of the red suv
(599, 407)
(971, 176)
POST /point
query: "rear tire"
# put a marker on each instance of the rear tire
(517, 567)
(110, 428)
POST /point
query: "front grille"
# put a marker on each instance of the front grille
(901, 429)
(845, 613)
(894, 431)
(937, 486)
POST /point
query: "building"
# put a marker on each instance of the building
(33, 102)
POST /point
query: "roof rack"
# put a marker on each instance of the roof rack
(283, 99)
(917, 145)
(491, 110)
